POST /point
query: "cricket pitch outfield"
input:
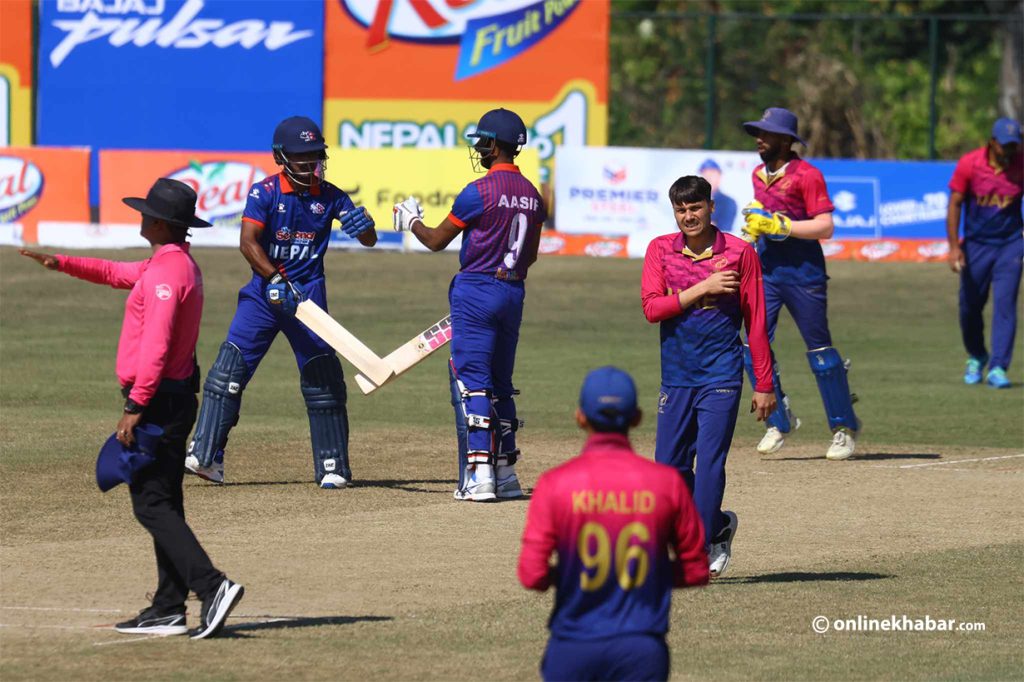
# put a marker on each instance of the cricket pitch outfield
(393, 579)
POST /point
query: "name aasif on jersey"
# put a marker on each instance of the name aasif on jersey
(529, 203)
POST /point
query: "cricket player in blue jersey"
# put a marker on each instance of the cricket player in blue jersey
(286, 227)
(500, 217)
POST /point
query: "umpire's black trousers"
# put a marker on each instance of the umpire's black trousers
(182, 563)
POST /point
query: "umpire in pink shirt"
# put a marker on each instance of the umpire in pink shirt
(159, 379)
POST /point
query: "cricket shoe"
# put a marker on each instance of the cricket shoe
(507, 483)
(478, 484)
(150, 621)
(774, 439)
(334, 482)
(997, 378)
(216, 609)
(721, 547)
(972, 374)
(213, 473)
(843, 445)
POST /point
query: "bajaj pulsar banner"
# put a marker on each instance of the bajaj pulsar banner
(15, 72)
(176, 74)
(420, 73)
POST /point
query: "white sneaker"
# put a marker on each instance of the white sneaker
(213, 473)
(721, 549)
(507, 484)
(478, 484)
(334, 482)
(843, 445)
(772, 442)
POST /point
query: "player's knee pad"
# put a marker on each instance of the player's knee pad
(323, 389)
(222, 399)
(781, 418)
(830, 372)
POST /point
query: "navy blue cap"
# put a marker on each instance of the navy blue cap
(298, 134)
(709, 164)
(1006, 131)
(503, 125)
(608, 399)
(117, 464)
(775, 120)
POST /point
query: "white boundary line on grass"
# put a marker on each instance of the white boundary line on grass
(952, 461)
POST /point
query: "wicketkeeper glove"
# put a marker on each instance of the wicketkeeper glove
(354, 223)
(283, 295)
(774, 226)
(406, 213)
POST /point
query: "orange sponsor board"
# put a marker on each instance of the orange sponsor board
(43, 183)
(554, 243)
(876, 250)
(420, 73)
(15, 72)
(221, 180)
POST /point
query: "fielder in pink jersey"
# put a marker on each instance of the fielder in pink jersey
(159, 378)
(701, 284)
(625, 532)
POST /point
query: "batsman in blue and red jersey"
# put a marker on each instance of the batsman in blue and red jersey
(701, 284)
(612, 518)
(500, 217)
(986, 189)
(791, 213)
(286, 227)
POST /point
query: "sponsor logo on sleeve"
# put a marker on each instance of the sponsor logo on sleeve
(163, 291)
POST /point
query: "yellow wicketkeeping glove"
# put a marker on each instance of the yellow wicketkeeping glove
(774, 226)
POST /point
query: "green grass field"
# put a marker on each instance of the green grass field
(394, 580)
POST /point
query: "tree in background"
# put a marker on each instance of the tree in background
(856, 73)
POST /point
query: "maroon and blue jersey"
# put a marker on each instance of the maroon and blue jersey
(611, 516)
(296, 225)
(701, 346)
(798, 191)
(992, 197)
(501, 216)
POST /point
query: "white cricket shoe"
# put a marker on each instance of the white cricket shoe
(213, 473)
(843, 445)
(507, 483)
(478, 484)
(334, 482)
(772, 441)
(721, 547)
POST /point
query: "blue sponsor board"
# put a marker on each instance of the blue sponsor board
(888, 199)
(175, 74)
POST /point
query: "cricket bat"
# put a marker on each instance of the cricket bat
(410, 354)
(343, 341)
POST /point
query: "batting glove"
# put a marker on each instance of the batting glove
(759, 221)
(354, 223)
(283, 295)
(406, 213)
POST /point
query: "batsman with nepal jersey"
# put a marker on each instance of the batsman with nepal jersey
(500, 217)
(989, 181)
(700, 284)
(612, 518)
(286, 227)
(791, 211)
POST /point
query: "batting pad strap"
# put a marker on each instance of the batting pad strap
(478, 421)
(830, 372)
(478, 457)
(507, 458)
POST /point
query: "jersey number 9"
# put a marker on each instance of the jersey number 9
(632, 562)
(516, 237)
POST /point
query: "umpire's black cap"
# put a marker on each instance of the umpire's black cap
(297, 134)
(169, 200)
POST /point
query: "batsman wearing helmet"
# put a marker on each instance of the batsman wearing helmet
(791, 212)
(286, 227)
(500, 217)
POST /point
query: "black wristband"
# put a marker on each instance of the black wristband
(132, 407)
